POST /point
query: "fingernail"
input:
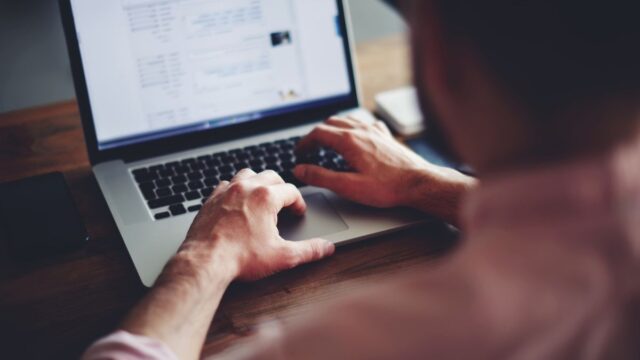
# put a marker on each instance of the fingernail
(329, 248)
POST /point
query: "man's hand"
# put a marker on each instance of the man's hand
(233, 237)
(240, 221)
(386, 173)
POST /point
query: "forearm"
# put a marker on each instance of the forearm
(179, 310)
(440, 193)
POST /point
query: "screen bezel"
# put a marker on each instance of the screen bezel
(200, 138)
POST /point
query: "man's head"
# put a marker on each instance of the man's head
(506, 76)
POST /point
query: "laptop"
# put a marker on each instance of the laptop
(178, 95)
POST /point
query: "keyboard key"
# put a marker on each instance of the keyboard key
(242, 165)
(256, 163)
(177, 209)
(162, 202)
(288, 177)
(288, 165)
(163, 183)
(145, 177)
(289, 147)
(210, 173)
(195, 208)
(148, 194)
(156, 168)
(226, 169)
(180, 179)
(226, 176)
(172, 164)
(219, 155)
(206, 192)
(163, 215)
(193, 195)
(182, 169)
(204, 157)
(179, 189)
(196, 185)
(188, 161)
(141, 171)
(213, 163)
(228, 159)
(275, 167)
(286, 157)
(199, 165)
(147, 186)
(257, 153)
(270, 159)
(195, 176)
(243, 156)
(164, 192)
(167, 172)
(210, 182)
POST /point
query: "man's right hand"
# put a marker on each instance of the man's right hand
(386, 173)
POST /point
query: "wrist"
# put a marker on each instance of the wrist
(202, 262)
(438, 191)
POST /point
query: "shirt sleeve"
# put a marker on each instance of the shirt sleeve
(123, 345)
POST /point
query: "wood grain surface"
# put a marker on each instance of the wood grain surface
(54, 308)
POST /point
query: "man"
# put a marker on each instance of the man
(541, 98)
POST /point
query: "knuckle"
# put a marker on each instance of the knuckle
(262, 194)
(350, 137)
(292, 258)
(316, 250)
(319, 130)
(273, 174)
(310, 174)
(293, 188)
(238, 188)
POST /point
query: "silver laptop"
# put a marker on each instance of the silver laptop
(178, 95)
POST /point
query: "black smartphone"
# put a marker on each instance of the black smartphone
(39, 217)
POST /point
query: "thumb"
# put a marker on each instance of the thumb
(340, 182)
(352, 186)
(306, 251)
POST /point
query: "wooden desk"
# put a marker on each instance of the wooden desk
(55, 308)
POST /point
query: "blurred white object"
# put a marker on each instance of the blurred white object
(400, 109)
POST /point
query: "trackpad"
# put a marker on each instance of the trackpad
(320, 220)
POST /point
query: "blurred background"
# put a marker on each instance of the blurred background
(34, 67)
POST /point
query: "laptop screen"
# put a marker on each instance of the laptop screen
(160, 68)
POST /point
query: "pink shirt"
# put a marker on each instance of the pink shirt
(549, 270)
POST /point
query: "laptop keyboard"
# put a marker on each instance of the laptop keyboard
(179, 187)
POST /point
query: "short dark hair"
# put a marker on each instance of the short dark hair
(554, 52)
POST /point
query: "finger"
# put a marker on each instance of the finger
(268, 177)
(288, 196)
(323, 135)
(342, 123)
(349, 185)
(243, 175)
(222, 187)
(306, 251)
(357, 123)
(382, 127)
